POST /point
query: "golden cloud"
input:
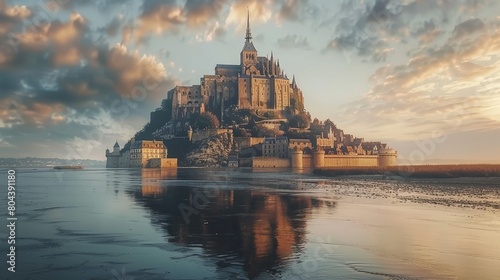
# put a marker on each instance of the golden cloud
(438, 88)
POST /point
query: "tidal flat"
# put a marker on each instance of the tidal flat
(195, 223)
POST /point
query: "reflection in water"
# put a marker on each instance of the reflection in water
(257, 229)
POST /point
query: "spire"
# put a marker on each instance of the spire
(248, 38)
(249, 34)
(294, 85)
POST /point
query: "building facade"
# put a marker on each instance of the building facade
(275, 147)
(144, 150)
(140, 154)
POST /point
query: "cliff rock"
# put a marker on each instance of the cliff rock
(210, 152)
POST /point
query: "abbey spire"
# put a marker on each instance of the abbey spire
(248, 56)
(248, 37)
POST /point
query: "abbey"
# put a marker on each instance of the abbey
(257, 83)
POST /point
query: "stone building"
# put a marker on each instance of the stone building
(299, 144)
(145, 153)
(326, 140)
(142, 151)
(113, 158)
(275, 147)
(257, 83)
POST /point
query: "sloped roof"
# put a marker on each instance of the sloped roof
(228, 66)
(249, 47)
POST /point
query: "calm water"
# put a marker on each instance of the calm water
(240, 224)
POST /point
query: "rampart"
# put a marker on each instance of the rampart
(205, 134)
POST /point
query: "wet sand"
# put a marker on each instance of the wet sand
(126, 224)
(416, 171)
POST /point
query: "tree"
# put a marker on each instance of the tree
(269, 115)
(251, 124)
(301, 120)
(204, 120)
(316, 127)
(240, 132)
(146, 133)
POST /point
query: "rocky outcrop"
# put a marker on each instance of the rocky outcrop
(210, 152)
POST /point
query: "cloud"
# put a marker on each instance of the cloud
(161, 17)
(468, 27)
(367, 30)
(260, 11)
(217, 32)
(102, 5)
(199, 12)
(293, 42)
(209, 19)
(297, 10)
(450, 88)
(59, 84)
(10, 18)
(5, 144)
(427, 32)
(114, 27)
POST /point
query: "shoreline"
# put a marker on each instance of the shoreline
(416, 171)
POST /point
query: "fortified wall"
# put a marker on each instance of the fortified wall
(247, 142)
(318, 159)
(205, 134)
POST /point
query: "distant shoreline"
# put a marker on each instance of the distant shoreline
(417, 171)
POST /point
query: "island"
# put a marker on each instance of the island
(244, 115)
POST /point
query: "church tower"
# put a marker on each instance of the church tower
(248, 56)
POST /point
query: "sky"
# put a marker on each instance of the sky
(420, 75)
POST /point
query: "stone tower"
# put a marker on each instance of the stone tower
(387, 157)
(248, 56)
(112, 159)
(116, 148)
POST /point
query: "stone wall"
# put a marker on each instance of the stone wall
(112, 161)
(162, 163)
(247, 142)
(269, 162)
(307, 161)
(245, 162)
(205, 134)
(321, 160)
(350, 161)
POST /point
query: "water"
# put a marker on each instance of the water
(241, 224)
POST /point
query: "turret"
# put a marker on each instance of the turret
(116, 148)
(387, 157)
